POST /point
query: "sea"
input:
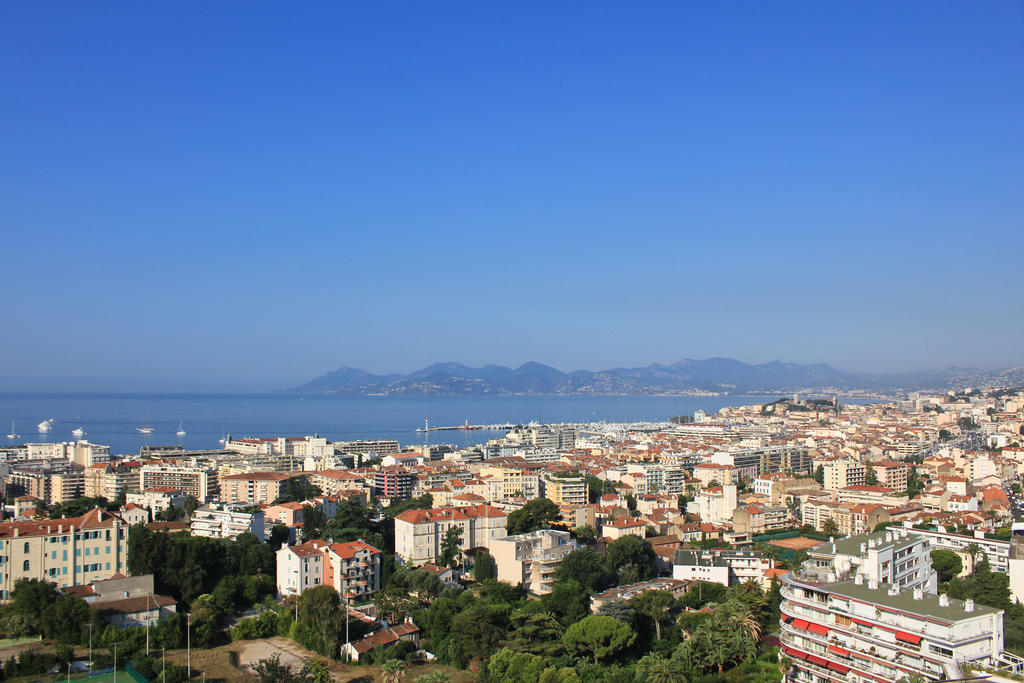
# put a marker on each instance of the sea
(113, 419)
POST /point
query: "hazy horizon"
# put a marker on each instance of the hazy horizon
(226, 195)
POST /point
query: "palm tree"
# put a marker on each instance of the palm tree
(742, 617)
(972, 550)
(830, 528)
(394, 670)
(785, 665)
(719, 656)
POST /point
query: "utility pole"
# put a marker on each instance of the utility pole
(163, 664)
(115, 662)
(188, 645)
(90, 647)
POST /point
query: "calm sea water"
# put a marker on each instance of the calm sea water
(111, 419)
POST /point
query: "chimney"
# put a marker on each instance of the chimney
(968, 605)
(863, 548)
(918, 593)
(859, 579)
(832, 539)
(894, 589)
(943, 600)
(873, 584)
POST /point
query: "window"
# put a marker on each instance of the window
(25, 567)
(26, 547)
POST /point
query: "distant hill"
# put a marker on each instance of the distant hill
(718, 375)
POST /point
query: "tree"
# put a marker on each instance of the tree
(601, 637)
(830, 528)
(586, 534)
(191, 504)
(584, 566)
(972, 550)
(313, 522)
(870, 476)
(393, 671)
(568, 600)
(479, 630)
(393, 604)
(631, 550)
(654, 668)
(450, 549)
(654, 605)
(947, 563)
(484, 567)
(538, 634)
(537, 514)
(630, 502)
(819, 474)
(620, 610)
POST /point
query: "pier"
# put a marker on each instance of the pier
(465, 427)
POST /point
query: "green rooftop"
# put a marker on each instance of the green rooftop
(927, 606)
(851, 545)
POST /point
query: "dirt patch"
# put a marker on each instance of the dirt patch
(798, 543)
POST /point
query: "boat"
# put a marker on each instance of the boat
(181, 430)
(45, 425)
(13, 434)
(145, 428)
(78, 431)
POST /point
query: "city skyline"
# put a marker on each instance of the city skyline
(218, 198)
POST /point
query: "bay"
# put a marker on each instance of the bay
(112, 419)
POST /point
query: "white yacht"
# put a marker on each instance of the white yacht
(45, 425)
(145, 428)
(13, 434)
(78, 431)
(181, 429)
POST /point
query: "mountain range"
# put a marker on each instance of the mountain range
(712, 375)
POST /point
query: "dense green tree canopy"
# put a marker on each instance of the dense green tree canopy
(598, 636)
(536, 514)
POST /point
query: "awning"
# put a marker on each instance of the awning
(794, 653)
(908, 638)
(839, 650)
(800, 623)
(839, 668)
(814, 659)
(861, 622)
(818, 628)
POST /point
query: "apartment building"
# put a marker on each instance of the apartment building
(725, 567)
(863, 630)
(713, 474)
(674, 586)
(156, 500)
(839, 474)
(393, 483)
(226, 520)
(372, 448)
(623, 526)
(420, 533)
(65, 486)
(754, 462)
(68, 552)
(564, 490)
(256, 488)
(997, 551)
(891, 474)
(532, 558)
(515, 482)
(714, 504)
(892, 556)
(759, 519)
(300, 567)
(777, 485)
(110, 479)
(353, 568)
(194, 480)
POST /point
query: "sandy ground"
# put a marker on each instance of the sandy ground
(798, 543)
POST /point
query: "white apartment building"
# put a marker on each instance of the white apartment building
(997, 551)
(300, 567)
(156, 500)
(353, 568)
(892, 556)
(226, 520)
(419, 534)
(725, 567)
(864, 631)
(623, 526)
(531, 559)
(715, 504)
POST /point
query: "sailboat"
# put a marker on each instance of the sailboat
(78, 431)
(45, 425)
(181, 429)
(145, 428)
(13, 434)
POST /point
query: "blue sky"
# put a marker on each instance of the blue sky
(254, 194)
